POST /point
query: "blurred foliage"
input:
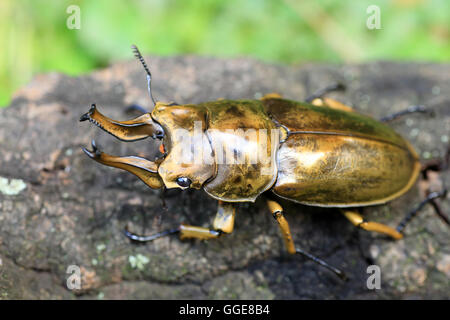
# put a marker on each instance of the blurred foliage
(34, 37)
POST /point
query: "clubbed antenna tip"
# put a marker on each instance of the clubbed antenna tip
(139, 56)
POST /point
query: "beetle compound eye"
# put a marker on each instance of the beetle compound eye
(159, 134)
(184, 182)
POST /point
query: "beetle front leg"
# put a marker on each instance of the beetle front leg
(223, 223)
(358, 220)
(277, 212)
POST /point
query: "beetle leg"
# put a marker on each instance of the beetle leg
(356, 219)
(131, 130)
(223, 223)
(224, 219)
(430, 199)
(144, 169)
(410, 109)
(277, 212)
(271, 96)
(331, 103)
(320, 93)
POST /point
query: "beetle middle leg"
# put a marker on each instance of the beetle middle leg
(271, 96)
(331, 103)
(358, 220)
(320, 93)
(318, 99)
(223, 223)
(277, 212)
(334, 104)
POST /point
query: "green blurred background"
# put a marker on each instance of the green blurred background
(34, 37)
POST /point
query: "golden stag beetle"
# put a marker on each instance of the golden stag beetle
(320, 153)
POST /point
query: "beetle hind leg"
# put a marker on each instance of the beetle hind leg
(429, 199)
(357, 220)
(410, 109)
(277, 212)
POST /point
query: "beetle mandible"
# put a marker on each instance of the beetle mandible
(319, 153)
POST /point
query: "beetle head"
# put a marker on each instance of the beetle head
(188, 159)
(184, 143)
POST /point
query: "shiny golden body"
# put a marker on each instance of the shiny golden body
(339, 158)
(320, 154)
(323, 154)
(323, 157)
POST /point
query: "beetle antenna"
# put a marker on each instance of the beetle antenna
(139, 56)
